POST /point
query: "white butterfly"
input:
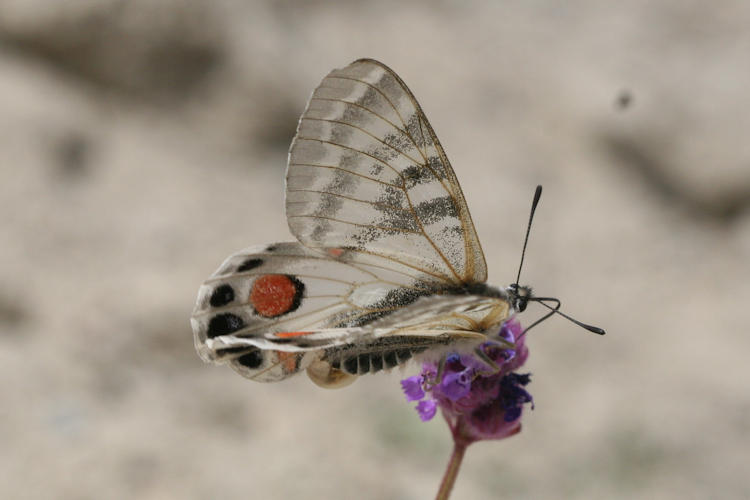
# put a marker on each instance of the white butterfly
(387, 263)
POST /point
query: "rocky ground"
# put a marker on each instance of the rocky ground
(142, 142)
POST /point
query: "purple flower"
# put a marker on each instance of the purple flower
(427, 409)
(478, 401)
(456, 385)
(412, 387)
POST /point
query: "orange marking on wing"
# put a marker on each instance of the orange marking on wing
(336, 252)
(288, 361)
(274, 294)
(286, 335)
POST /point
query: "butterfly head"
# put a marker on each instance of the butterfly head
(519, 296)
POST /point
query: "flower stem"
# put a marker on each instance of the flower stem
(451, 472)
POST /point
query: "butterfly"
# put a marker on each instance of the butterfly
(387, 264)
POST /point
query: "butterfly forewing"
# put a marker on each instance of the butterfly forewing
(367, 174)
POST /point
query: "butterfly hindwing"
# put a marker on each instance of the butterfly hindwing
(430, 323)
(275, 291)
(367, 173)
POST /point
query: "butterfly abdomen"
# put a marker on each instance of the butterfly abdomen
(375, 361)
(381, 354)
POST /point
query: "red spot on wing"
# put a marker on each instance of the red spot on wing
(276, 294)
(286, 335)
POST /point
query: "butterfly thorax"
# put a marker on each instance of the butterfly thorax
(481, 289)
(519, 296)
(469, 314)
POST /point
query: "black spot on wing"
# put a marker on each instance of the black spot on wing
(221, 296)
(224, 324)
(252, 360)
(249, 264)
(299, 293)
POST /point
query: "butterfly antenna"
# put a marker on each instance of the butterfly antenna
(556, 310)
(537, 195)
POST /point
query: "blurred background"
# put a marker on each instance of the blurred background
(142, 142)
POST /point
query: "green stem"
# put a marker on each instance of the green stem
(451, 472)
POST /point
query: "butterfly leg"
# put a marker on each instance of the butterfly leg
(493, 367)
(430, 383)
